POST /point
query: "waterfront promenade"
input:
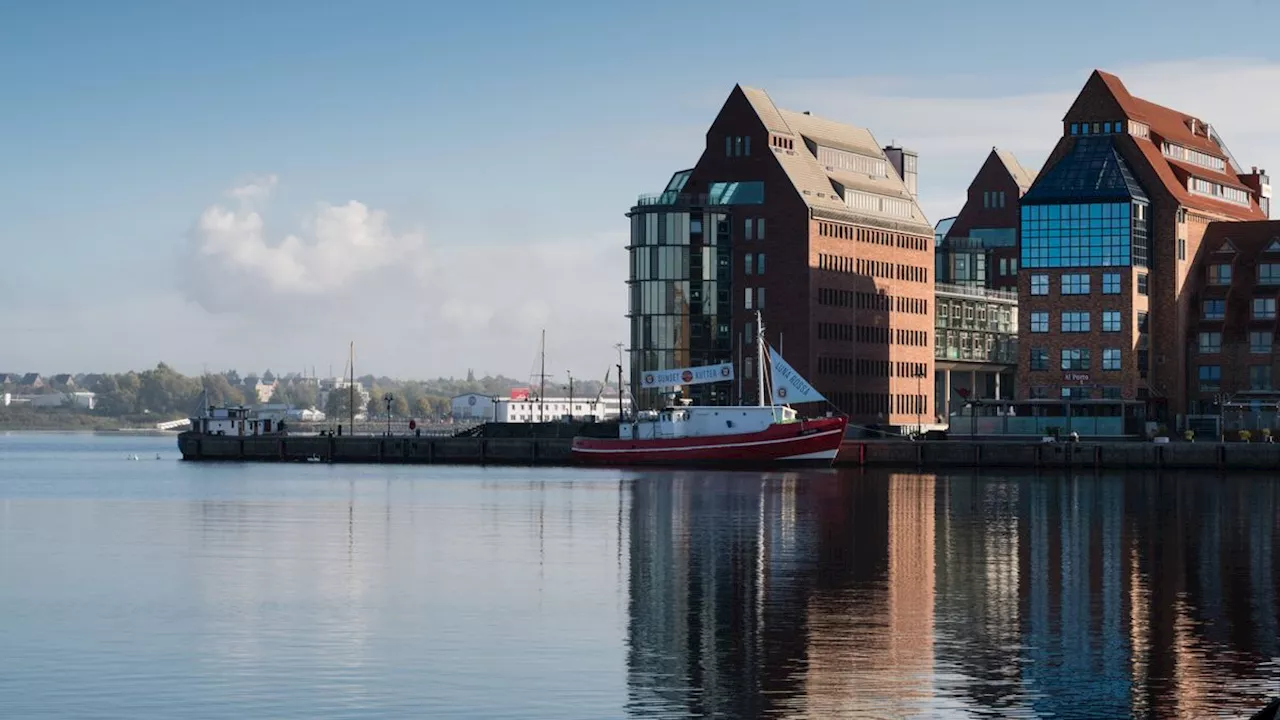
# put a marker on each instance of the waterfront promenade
(897, 454)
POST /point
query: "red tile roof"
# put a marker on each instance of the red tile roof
(1174, 126)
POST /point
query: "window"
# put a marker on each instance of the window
(1214, 309)
(986, 198)
(1075, 358)
(1210, 342)
(748, 297)
(1220, 274)
(1142, 322)
(1182, 248)
(750, 264)
(737, 146)
(759, 298)
(1075, 128)
(1142, 283)
(1111, 359)
(728, 146)
(1001, 198)
(760, 261)
(746, 144)
(749, 227)
(1111, 392)
(1110, 283)
(1269, 274)
(759, 228)
(1075, 284)
(1039, 284)
(1075, 392)
(1210, 377)
(1110, 321)
(1144, 360)
(1039, 322)
(1039, 359)
(1075, 322)
(1264, 308)
(1260, 342)
(1259, 377)
(1083, 234)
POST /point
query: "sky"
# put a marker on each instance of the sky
(254, 185)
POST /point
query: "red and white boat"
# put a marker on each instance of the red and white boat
(752, 435)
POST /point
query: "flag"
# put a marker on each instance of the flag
(788, 386)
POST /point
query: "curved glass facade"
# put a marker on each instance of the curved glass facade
(680, 296)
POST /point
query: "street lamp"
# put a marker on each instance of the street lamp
(387, 399)
(570, 374)
(919, 401)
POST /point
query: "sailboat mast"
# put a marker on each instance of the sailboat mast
(351, 389)
(542, 378)
(760, 358)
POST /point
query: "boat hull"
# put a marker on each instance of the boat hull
(807, 442)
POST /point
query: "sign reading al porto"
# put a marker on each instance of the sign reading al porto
(1075, 377)
(687, 376)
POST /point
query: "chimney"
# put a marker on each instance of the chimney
(1260, 184)
(905, 163)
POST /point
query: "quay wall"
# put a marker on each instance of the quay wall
(875, 453)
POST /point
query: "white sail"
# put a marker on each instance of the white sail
(788, 386)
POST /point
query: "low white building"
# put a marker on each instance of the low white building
(522, 407)
(552, 409)
(80, 399)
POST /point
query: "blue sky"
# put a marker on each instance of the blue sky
(503, 142)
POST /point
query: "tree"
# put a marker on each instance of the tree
(221, 391)
(338, 405)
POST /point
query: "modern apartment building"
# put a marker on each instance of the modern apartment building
(1111, 230)
(815, 225)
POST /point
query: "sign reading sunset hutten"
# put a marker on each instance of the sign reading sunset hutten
(687, 376)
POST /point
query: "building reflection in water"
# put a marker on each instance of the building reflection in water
(897, 595)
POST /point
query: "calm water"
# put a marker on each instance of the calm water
(158, 589)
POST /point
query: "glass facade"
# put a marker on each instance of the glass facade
(1088, 210)
(1084, 235)
(680, 287)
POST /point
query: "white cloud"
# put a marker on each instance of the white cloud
(412, 309)
(233, 266)
(953, 120)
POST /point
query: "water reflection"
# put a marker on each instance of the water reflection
(851, 595)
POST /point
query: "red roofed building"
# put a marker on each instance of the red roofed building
(1111, 231)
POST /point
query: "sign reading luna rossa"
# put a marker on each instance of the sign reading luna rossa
(686, 376)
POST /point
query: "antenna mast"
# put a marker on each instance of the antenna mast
(542, 379)
(351, 389)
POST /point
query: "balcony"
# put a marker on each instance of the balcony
(674, 199)
(979, 293)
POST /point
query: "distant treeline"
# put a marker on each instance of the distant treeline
(162, 392)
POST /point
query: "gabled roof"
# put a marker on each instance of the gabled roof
(818, 187)
(1020, 175)
(1167, 124)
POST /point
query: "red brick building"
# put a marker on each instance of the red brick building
(1111, 230)
(1234, 291)
(811, 222)
(981, 245)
